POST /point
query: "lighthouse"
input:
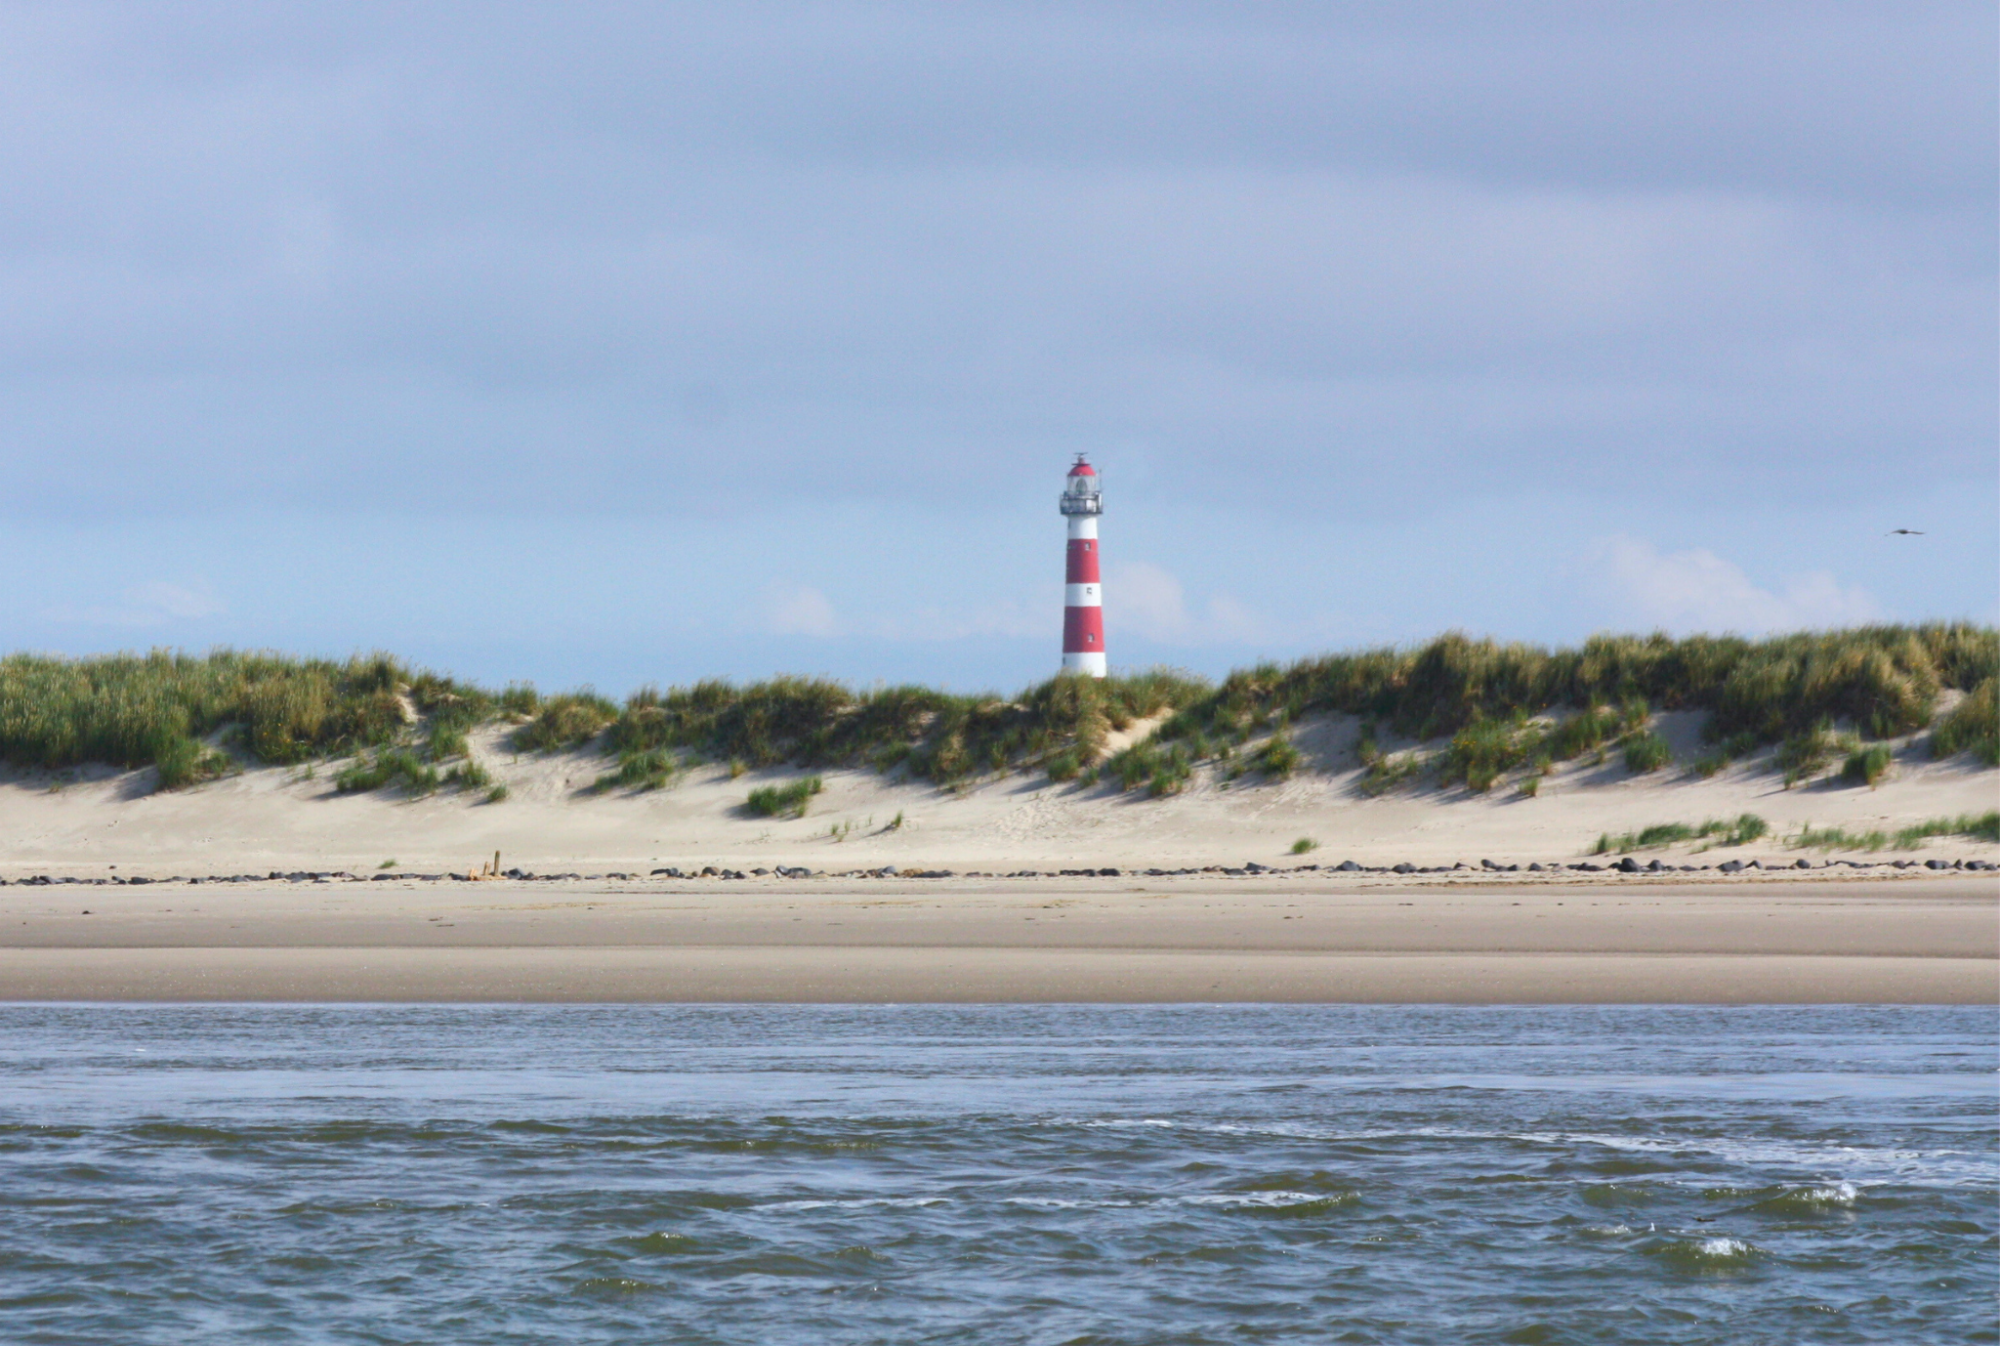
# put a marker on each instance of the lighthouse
(1083, 595)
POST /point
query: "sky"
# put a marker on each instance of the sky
(622, 343)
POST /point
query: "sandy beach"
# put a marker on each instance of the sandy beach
(379, 933)
(1299, 938)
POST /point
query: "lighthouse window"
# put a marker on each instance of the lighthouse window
(1088, 545)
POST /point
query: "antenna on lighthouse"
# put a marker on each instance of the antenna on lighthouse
(1083, 595)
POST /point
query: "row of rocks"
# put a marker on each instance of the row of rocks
(1627, 865)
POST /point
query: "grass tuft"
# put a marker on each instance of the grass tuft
(1737, 831)
(392, 766)
(784, 801)
(1974, 725)
(1806, 753)
(1646, 751)
(1867, 766)
(641, 770)
(1304, 846)
(182, 762)
(568, 720)
(1279, 757)
(1388, 773)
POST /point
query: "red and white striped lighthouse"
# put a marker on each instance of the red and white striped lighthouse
(1083, 595)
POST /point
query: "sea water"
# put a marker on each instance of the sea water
(997, 1174)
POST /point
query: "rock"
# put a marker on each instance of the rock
(1655, 867)
(760, 873)
(1936, 864)
(1627, 866)
(1107, 873)
(1347, 867)
(137, 878)
(1488, 864)
(1535, 868)
(1405, 868)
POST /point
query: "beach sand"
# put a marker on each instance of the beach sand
(1300, 938)
(1823, 935)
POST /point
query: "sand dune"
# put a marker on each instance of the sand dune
(266, 819)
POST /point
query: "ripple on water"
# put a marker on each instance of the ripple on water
(503, 1175)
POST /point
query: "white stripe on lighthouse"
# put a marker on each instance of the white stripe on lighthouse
(1083, 596)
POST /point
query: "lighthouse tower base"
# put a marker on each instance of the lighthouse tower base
(1090, 665)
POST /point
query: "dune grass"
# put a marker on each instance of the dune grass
(1867, 766)
(641, 770)
(1646, 752)
(1737, 831)
(1979, 826)
(1884, 679)
(567, 720)
(391, 766)
(1502, 707)
(1973, 726)
(784, 801)
(1059, 726)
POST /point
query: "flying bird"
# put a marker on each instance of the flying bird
(1904, 532)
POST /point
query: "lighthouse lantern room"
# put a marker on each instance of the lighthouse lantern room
(1083, 594)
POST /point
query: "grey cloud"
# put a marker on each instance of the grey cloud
(258, 255)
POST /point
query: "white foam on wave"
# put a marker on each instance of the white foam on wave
(1862, 1165)
(1723, 1247)
(894, 1202)
(1840, 1194)
(1268, 1200)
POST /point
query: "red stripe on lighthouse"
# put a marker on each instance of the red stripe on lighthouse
(1083, 630)
(1083, 560)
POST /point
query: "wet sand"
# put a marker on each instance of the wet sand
(1281, 939)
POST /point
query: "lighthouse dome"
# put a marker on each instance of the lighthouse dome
(1083, 492)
